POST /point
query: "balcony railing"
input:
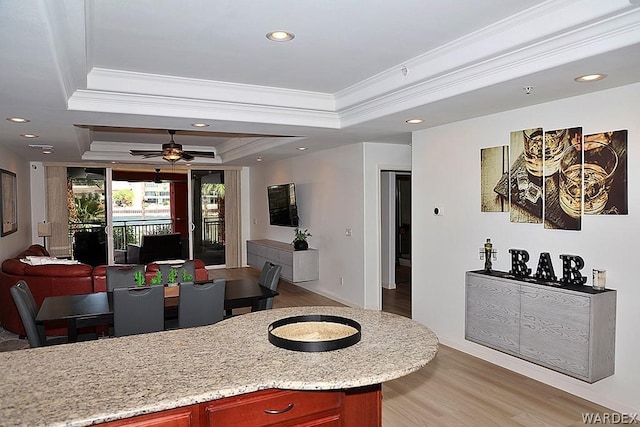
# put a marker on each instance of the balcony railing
(131, 231)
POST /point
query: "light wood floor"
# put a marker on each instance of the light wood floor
(455, 389)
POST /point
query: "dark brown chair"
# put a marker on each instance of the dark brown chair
(160, 247)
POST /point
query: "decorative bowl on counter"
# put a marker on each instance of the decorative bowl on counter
(314, 333)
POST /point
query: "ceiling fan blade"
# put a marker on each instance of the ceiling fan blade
(145, 153)
(186, 156)
(203, 153)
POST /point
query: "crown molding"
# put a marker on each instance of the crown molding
(581, 42)
(153, 105)
(551, 34)
(550, 19)
(231, 150)
(100, 79)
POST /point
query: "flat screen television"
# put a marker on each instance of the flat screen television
(282, 205)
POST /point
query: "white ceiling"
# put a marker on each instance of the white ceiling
(355, 71)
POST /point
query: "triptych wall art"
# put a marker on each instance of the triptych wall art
(556, 176)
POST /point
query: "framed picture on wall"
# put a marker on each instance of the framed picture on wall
(9, 198)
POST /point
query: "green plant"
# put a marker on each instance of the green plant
(173, 275)
(139, 278)
(301, 236)
(186, 277)
(89, 207)
(158, 279)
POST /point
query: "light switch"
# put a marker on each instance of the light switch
(347, 232)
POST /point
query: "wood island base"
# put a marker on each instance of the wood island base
(354, 407)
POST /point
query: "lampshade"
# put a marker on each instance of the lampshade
(44, 229)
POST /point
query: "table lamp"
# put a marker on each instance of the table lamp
(44, 231)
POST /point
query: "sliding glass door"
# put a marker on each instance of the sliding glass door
(208, 216)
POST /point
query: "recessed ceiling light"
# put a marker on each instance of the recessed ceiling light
(17, 120)
(28, 135)
(280, 36)
(302, 148)
(113, 162)
(199, 125)
(47, 151)
(259, 159)
(590, 78)
(414, 121)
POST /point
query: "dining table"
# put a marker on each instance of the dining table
(86, 310)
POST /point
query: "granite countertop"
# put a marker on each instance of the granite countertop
(90, 382)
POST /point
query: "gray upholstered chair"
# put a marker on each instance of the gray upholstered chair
(262, 280)
(122, 276)
(271, 282)
(201, 303)
(138, 310)
(28, 310)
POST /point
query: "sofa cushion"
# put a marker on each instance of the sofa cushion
(18, 268)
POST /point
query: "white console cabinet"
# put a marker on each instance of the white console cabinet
(569, 329)
(297, 266)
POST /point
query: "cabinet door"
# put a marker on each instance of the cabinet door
(179, 417)
(493, 313)
(555, 329)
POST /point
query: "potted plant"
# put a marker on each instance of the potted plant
(300, 239)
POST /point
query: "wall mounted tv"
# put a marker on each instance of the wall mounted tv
(282, 205)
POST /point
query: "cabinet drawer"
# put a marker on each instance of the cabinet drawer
(285, 257)
(270, 407)
(273, 255)
(255, 249)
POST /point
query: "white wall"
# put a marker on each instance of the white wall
(332, 196)
(446, 173)
(15, 243)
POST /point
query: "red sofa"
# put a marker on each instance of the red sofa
(56, 279)
(43, 281)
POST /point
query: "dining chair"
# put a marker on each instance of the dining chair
(28, 310)
(138, 310)
(266, 268)
(271, 282)
(122, 276)
(201, 303)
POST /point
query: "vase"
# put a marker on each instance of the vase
(300, 245)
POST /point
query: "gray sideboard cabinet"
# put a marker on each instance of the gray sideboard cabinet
(567, 329)
(297, 266)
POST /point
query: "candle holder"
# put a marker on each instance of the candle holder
(599, 279)
(488, 254)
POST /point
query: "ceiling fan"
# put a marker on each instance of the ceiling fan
(172, 152)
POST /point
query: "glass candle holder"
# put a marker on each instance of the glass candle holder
(599, 279)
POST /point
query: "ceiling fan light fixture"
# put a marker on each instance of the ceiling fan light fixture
(171, 154)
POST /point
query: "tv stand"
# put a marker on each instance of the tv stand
(297, 266)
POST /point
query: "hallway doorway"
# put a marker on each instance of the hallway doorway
(396, 242)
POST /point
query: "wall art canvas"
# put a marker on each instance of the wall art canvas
(605, 173)
(524, 186)
(562, 170)
(9, 198)
(494, 167)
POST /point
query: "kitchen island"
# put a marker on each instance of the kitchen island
(112, 379)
